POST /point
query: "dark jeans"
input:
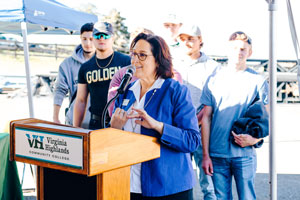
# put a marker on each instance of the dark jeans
(95, 124)
(185, 195)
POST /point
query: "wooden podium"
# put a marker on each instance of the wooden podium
(102, 156)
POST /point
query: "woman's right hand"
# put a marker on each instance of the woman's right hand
(118, 119)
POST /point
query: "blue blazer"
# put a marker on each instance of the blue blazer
(173, 171)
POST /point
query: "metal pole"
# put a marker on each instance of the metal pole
(294, 38)
(273, 101)
(298, 76)
(28, 81)
(27, 67)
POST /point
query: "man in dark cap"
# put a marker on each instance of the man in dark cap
(227, 95)
(95, 75)
(67, 76)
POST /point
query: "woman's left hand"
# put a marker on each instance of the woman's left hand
(143, 119)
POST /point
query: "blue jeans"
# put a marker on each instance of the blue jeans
(242, 168)
(205, 181)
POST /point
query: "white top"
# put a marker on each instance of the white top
(135, 171)
(195, 73)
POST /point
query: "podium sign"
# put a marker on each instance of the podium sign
(89, 164)
(49, 147)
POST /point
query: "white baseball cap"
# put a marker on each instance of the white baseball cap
(191, 30)
(172, 18)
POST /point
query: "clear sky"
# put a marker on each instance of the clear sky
(217, 19)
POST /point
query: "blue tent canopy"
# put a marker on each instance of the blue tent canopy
(42, 17)
(39, 17)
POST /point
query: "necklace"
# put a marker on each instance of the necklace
(132, 120)
(107, 63)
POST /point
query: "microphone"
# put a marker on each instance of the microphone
(126, 79)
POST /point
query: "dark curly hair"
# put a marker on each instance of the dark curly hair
(161, 53)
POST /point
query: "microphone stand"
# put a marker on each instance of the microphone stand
(104, 113)
(123, 85)
(120, 90)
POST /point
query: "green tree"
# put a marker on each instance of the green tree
(114, 17)
(120, 30)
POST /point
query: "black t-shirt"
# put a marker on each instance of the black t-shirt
(97, 76)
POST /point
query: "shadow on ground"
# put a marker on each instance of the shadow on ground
(288, 187)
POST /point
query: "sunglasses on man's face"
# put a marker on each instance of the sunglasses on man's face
(105, 36)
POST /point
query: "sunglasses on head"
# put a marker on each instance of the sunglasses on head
(105, 36)
(241, 36)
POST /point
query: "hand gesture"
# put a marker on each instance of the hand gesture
(118, 119)
(143, 119)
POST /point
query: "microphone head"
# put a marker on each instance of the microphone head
(130, 70)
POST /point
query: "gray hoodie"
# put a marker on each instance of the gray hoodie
(67, 83)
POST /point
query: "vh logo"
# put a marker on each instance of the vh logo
(36, 141)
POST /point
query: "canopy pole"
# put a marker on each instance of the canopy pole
(294, 38)
(27, 67)
(298, 76)
(273, 101)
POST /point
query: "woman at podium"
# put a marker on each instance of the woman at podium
(157, 105)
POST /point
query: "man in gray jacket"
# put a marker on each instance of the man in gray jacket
(68, 73)
(195, 67)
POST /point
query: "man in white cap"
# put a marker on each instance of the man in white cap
(195, 67)
(172, 25)
(95, 75)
